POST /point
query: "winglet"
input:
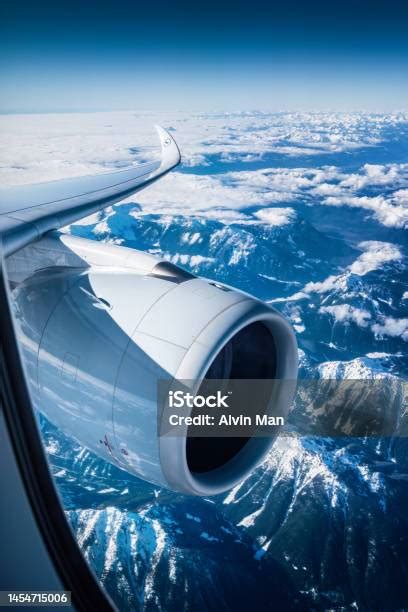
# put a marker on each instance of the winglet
(170, 151)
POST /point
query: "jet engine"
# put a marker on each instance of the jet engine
(100, 325)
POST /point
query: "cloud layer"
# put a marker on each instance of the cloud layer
(288, 156)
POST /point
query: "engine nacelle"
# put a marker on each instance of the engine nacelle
(100, 325)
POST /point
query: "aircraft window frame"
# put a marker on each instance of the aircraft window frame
(22, 429)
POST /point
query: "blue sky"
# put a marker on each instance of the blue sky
(218, 55)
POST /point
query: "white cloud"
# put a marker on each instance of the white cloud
(222, 193)
(392, 327)
(276, 216)
(188, 194)
(390, 209)
(296, 297)
(344, 313)
(73, 144)
(400, 196)
(375, 255)
(196, 260)
(385, 210)
(330, 283)
(328, 190)
(376, 174)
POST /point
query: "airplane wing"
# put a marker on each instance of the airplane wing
(27, 212)
(104, 330)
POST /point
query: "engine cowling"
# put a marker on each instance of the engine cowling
(97, 338)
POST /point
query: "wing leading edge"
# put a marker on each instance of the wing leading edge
(27, 212)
